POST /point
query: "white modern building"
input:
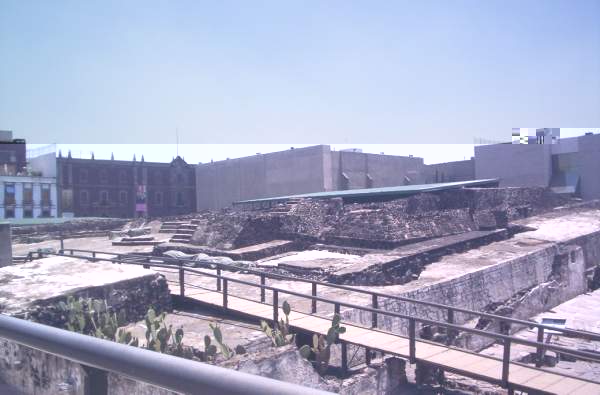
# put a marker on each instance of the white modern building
(27, 197)
(27, 184)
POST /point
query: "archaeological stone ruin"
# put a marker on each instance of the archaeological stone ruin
(438, 269)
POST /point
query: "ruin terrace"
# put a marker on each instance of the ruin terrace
(461, 257)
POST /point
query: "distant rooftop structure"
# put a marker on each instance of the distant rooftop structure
(377, 194)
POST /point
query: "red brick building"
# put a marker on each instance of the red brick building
(125, 189)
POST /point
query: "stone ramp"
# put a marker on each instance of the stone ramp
(458, 361)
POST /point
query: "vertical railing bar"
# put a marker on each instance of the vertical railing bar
(539, 359)
(449, 331)
(275, 306)
(313, 308)
(262, 287)
(225, 293)
(181, 280)
(344, 347)
(412, 340)
(375, 305)
(505, 362)
(219, 278)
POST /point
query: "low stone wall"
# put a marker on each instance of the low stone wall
(79, 227)
(491, 285)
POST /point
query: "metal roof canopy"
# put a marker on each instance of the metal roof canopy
(382, 192)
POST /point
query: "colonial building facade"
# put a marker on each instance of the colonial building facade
(125, 189)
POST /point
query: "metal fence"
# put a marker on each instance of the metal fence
(165, 371)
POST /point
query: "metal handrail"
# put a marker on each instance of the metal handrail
(162, 370)
(530, 324)
(506, 339)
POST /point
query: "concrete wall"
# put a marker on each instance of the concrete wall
(515, 164)
(462, 170)
(276, 174)
(589, 158)
(372, 170)
(46, 164)
(303, 170)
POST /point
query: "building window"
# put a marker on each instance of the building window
(46, 212)
(9, 195)
(104, 198)
(158, 198)
(123, 177)
(28, 194)
(46, 201)
(103, 176)
(123, 196)
(180, 201)
(9, 212)
(28, 212)
(84, 197)
(83, 176)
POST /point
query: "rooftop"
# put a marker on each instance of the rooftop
(383, 192)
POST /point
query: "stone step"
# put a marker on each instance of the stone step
(181, 237)
(174, 224)
(188, 226)
(167, 231)
(185, 231)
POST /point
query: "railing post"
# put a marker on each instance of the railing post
(336, 308)
(262, 287)
(449, 331)
(93, 256)
(412, 340)
(344, 347)
(62, 245)
(368, 356)
(72, 252)
(225, 293)
(218, 278)
(539, 359)
(313, 304)
(505, 362)
(375, 305)
(95, 381)
(181, 280)
(275, 306)
(147, 266)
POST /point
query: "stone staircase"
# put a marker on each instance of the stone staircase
(182, 231)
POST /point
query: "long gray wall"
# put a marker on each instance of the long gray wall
(282, 173)
(461, 170)
(297, 171)
(372, 170)
(516, 165)
(589, 159)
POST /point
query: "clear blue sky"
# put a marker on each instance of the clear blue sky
(296, 72)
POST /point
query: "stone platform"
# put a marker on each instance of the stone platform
(32, 287)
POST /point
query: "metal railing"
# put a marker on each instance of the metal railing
(376, 297)
(165, 371)
(222, 285)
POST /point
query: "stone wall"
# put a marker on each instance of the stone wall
(73, 228)
(376, 225)
(477, 290)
